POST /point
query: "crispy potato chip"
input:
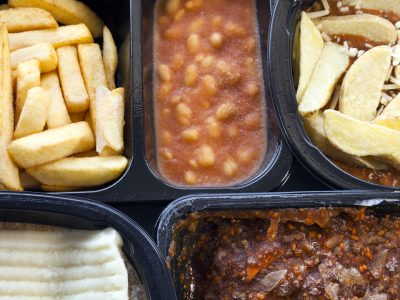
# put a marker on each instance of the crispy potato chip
(58, 37)
(58, 114)
(9, 173)
(28, 76)
(52, 144)
(73, 86)
(330, 67)
(44, 52)
(27, 18)
(314, 125)
(362, 86)
(311, 45)
(34, 113)
(362, 138)
(66, 12)
(110, 57)
(392, 6)
(85, 172)
(370, 27)
(110, 119)
(93, 73)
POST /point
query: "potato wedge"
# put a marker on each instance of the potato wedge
(9, 173)
(34, 113)
(28, 76)
(110, 119)
(85, 172)
(391, 6)
(370, 27)
(311, 45)
(330, 67)
(362, 86)
(66, 12)
(44, 52)
(362, 138)
(27, 18)
(52, 144)
(73, 86)
(93, 73)
(110, 57)
(58, 114)
(78, 117)
(58, 37)
(314, 125)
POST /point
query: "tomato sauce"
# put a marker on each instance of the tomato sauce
(208, 92)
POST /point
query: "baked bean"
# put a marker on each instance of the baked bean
(178, 61)
(225, 111)
(184, 114)
(179, 15)
(173, 33)
(176, 99)
(230, 73)
(214, 129)
(166, 137)
(251, 89)
(190, 135)
(210, 85)
(172, 7)
(164, 73)
(167, 154)
(197, 25)
(251, 44)
(234, 30)
(199, 57)
(193, 163)
(206, 156)
(166, 111)
(217, 21)
(252, 120)
(245, 155)
(190, 75)
(193, 43)
(207, 62)
(230, 167)
(189, 5)
(190, 177)
(216, 40)
(164, 90)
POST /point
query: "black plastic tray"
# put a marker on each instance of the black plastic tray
(82, 214)
(283, 91)
(382, 202)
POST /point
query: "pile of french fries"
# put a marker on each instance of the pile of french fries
(61, 115)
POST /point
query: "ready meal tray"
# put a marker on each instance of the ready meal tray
(213, 222)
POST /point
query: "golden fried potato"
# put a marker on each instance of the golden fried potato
(34, 113)
(28, 76)
(73, 86)
(93, 73)
(58, 37)
(44, 52)
(9, 173)
(27, 18)
(58, 114)
(370, 27)
(362, 86)
(82, 172)
(330, 67)
(388, 6)
(52, 144)
(311, 45)
(110, 119)
(66, 12)
(362, 138)
(110, 57)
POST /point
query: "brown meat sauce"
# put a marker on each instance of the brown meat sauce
(322, 253)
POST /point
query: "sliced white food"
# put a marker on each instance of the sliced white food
(330, 67)
(370, 27)
(362, 86)
(310, 49)
(392, 6)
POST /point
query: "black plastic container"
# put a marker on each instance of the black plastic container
(139, 248)
(281, 38)
(382, 202)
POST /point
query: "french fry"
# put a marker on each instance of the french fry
(34, 113)
(73, 86)
(77, 117)
(44, 52)
(85, 172)
(28, 77)
(110, 119)
(66, 12)
(52, 144)
(93, 73)
(58, 114)
(58, 37)
(27, 18)
(110, 57)
(9, 173)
